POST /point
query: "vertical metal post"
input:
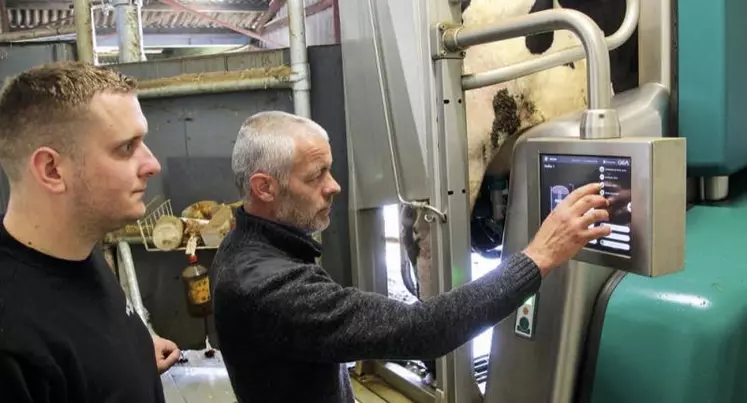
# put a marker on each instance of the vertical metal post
(448, 168)
(85, 36)
(300, 65)
(655, 52)
(299, 58)
(128, 279)
(129, 30)
(4, 24)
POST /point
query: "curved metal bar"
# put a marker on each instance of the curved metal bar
(525, 68)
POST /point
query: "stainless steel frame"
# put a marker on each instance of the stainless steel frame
(393, 110)
(521, 69)
(373, 73)
(448, 168)
(655, 39)
(599, 121)
(549, 362)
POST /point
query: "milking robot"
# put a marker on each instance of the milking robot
(653, 312)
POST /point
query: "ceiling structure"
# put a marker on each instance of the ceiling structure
(166, 23)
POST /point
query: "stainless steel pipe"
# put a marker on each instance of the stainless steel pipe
(131, 286)
(525, 68)
(299, 58)
(591, 37)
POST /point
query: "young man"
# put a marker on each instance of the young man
(71, 145)
(285, 327)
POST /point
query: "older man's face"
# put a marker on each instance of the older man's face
(306, 200)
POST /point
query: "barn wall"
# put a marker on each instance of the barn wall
(19, 57)
(193, 137)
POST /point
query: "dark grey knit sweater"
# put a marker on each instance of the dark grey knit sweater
(285, 327)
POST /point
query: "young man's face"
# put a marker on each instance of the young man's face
(113, 163)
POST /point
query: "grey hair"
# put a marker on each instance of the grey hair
(266, 143)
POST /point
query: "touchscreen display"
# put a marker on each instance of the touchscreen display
(561, 174)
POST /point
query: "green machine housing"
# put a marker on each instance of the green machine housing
(683, 337)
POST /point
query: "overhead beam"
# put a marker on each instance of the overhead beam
(182, 41)
(173, 40)
(232, 8)
(216, 21)
(216, 32)
(155, 39)
(281, 23)
(275, 6)
(153, 6)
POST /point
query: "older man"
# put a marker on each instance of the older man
(285, 327)
(71, 145)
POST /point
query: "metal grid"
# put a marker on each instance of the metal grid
(148, 223)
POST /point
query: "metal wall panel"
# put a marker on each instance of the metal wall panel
(370, 83)
(19, 57)
(193, 137)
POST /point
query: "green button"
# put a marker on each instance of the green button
(524, 325)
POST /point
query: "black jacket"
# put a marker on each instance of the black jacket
(285, 327)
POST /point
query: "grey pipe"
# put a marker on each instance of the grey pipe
(591, 37)
(525, 68)
(299, 58)
(85, 38)
(599, 120)
(198, 87)
(129, 30)
(127, 270)
(300, 65)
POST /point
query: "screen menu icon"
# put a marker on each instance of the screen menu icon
(561, 174)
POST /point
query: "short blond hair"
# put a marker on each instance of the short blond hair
(47, 105)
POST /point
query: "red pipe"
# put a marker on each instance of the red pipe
(336, 18)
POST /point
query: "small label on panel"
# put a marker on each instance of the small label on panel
(526, 318)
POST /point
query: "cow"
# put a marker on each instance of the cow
(497, 115)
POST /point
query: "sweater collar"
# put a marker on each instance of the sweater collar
(29, 255)
(288, 239)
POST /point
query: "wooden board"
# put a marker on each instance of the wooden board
(371, 389)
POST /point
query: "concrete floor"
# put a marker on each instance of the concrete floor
(199, 380)
(205, 380)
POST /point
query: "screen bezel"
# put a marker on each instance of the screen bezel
(641, 192)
